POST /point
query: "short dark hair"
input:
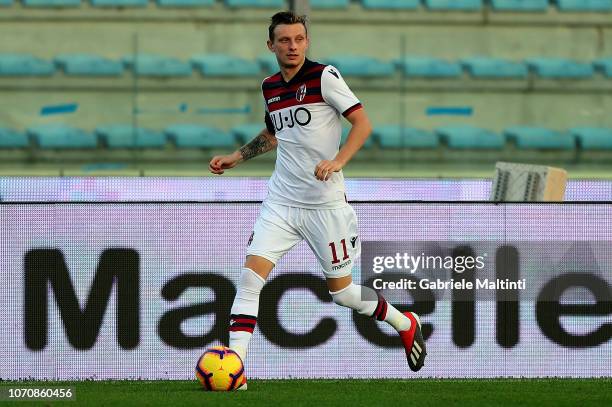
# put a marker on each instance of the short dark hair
(285, 17)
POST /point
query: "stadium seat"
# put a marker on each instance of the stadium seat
(520, 5)
(277, 4)
(460, 5)
(157, 65)
(529, 138)
(392, 136)
(88, 65)
(124, 136)
(329, 4)
(24, 65)
(429, 67)
(119, 3)
(584, 5)
(185, 3)
(604, 65)
(224, 65)
(197, 136)
(484, 67)
(350, 65)
(268, 63)
(51, 3)
(560, 68)
(246, 132)
(593, 138)
(470, 138)
(59, 136)
(10, 138)
(6, 3)
(344, 136)
(391, 4)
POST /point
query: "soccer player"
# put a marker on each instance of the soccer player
(306, 198)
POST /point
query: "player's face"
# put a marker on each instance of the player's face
(290, 44)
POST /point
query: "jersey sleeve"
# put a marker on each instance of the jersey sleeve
(267, 119)
(336, 92)
(269, 124)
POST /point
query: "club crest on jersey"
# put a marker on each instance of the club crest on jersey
(301, 93)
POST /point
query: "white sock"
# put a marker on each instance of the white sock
(244, 311)
(366, 301)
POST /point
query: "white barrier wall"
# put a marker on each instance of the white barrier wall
(140, 290)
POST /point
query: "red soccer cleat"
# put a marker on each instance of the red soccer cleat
(414, 343)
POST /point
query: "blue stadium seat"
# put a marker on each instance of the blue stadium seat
(604, 65)
(329, 4)
(185, 3)
(428, 67)
(244, 133)
(351, 65)
(584, 5)
(484, 67)
(88, 65)
(460, 5)
(391, 4)
(6, 3)
(560, 68)
(157, 65)
(10, 138)
(255, 3)
(124, 136)
(344, 136)
(392, 136)
(529, 138)
(224, 65)
(197, 136)
(268, 63)
(520, 5)
(59, 136)
(51, 3)
(593, 138)
(24, 65)
(119, 3)
(470, 138)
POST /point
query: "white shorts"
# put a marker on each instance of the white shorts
(330, 233)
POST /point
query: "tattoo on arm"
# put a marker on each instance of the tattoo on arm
(263, 143)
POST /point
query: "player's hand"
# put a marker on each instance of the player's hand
(324, 170)
(224, 162)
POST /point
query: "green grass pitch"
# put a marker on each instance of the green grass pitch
(346, 393)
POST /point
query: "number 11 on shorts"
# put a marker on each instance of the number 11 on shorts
(335, 259)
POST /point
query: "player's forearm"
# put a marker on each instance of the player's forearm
(357, 136)
(264, 142)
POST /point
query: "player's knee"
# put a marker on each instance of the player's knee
(259, 265)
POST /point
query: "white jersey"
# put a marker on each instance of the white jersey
(305, 115)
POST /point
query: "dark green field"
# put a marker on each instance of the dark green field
(347, 393)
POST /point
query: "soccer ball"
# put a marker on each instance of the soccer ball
(220, 369)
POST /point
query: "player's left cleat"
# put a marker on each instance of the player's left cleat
(414, 343)
(243, 386)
